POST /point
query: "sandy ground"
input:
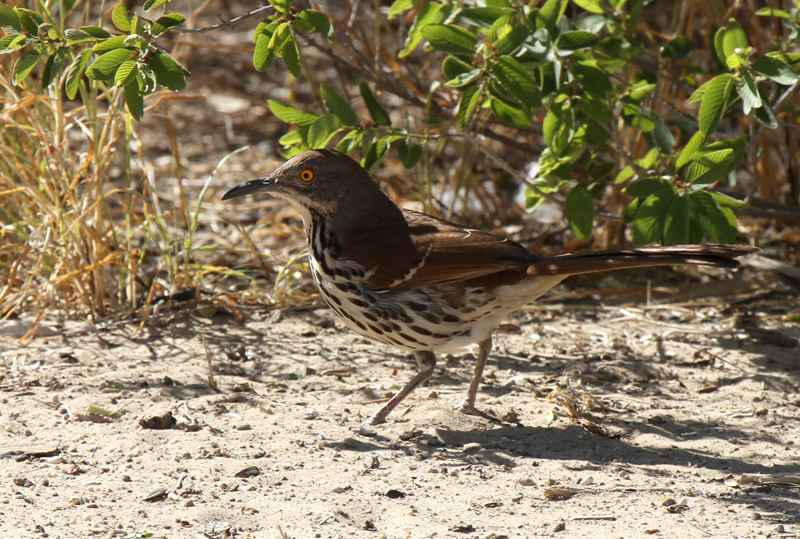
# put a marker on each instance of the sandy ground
(701, 421)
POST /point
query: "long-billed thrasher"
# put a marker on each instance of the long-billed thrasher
(422, 284)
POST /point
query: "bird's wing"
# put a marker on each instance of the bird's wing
(446, 252)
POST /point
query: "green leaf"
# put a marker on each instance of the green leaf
(774, 69)
(408, 153)
(169, 73)
(715, 101)
(291, 138)
(519, 83)
(646, 186)
(469, 102)
(714, 221)
(748, 91)
(697, 95)
(678, 48)
(737, 145)
(75, 73)
(579, 211)
(25, 65)
(639, 90)
(104, 67)
(126, 72)
(13, 42)
(631, 210)
(291, 115)
(550, 15)
(509, 113)
(452, 67)
(558, 129)
(450, 38)
(592, 6)
(119, 16)
(53, 65)
(399, 6)
(9, 21)
(691, 147)
(150, 5)
(773, 12)
(637, 117)
(724, 201)
(532, 199)
(376, 109)
(318, 21)
(576, 39)
(97, 32)
(376, 152)
(676, 224)
(465, 79)
(663, 137)
(648, 225)
(134, 100)
(595, 107)
(110, 44)
(734, 39)
(484, 16)
(322, 130)
(170, 20)
(282, 6)
(426, 14)
(336, 104)
(765, 114)
(291, 56)
(511, 41)
(624, 175)
(263, 55)
(593, 79)
(75, 36)
(649, 161)
(707, 168)
(735, 61)
(30, 21)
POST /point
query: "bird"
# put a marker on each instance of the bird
(423, 284)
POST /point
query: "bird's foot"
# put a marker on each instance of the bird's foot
(466, 407)
(371, 421)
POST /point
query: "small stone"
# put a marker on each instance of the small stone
(250, 471)
(409, 434)
(560, 527)
(471, 447)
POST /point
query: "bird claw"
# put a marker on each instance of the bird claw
(371, 421)
(465, 407)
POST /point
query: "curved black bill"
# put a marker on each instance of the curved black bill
(253, 186)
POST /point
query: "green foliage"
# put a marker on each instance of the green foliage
(130, 61)
(520, 66)
(276, 36)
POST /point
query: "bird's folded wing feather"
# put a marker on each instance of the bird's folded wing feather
(447, 253)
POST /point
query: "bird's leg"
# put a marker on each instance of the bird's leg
(467, 406)
(426, 362)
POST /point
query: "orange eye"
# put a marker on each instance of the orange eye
(307, 175)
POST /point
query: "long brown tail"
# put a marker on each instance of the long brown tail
(723, 256)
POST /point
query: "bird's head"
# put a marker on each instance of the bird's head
(315, 182)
